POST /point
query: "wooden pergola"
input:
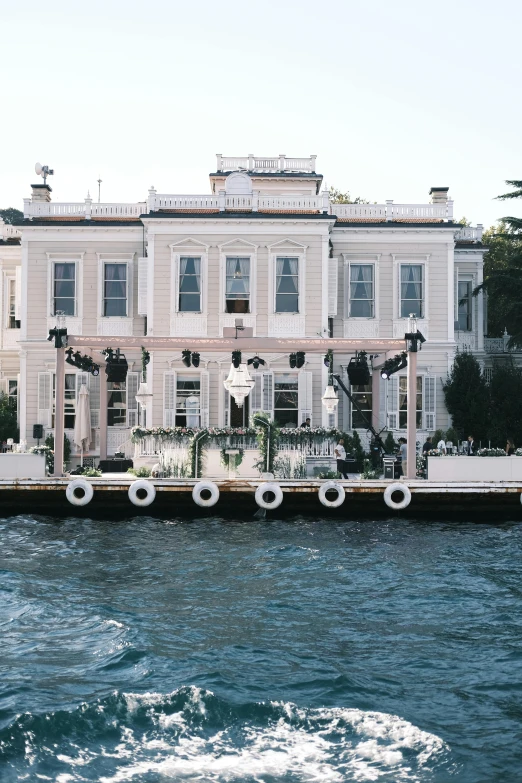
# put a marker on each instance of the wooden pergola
(227, 344)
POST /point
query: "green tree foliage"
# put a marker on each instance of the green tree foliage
(49, 441)
(8, 425)
(506, 405)
(390, 444)
(514, 223)
(338, 197)
(467, 398)
(11, 215)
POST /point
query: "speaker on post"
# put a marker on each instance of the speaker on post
(37, 432)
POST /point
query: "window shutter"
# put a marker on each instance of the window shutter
(429, 402)
(204, 399)
(169, 398)
(94, 400)
(256, 395)
(304, 393)
(142, 286)
(132, 405)
(18, 293)
(333, 276)
(393, 402)
(4, 386)
(44, 398)
(225, 413)
(268, 393)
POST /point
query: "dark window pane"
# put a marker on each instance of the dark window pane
(361, 309)
(285, 418)
(189, 303)
(411, 306)
(238, 306)
(287, 303)
(287, 285)
(65, 306)
(64, 288)
(116, 289)
(115, 307)
(115, 271)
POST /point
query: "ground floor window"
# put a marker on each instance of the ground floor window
(363, 396)
(69, 400)
(116, 403)
(403, 402)
(188, 401)
(12, 392)
(286, 400)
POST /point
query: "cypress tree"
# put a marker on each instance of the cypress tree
(467, 398)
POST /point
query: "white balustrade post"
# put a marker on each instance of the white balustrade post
(219, 162)
(325, 196)
(255, 200)
(313, 158)
(449, 209)
(480, 229)
(282, 162)
(389, 210)
(88, 206)
(151, 200)
(221, 200)
(27, 209)
(250, 162)
(411, 414)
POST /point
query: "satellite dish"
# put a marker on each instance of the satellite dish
(38, 168)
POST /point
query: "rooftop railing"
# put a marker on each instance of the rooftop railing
(470, 234)
(267, 165)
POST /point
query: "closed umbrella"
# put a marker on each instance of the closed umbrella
(82, 424)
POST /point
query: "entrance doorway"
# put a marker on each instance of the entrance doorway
(239, 416)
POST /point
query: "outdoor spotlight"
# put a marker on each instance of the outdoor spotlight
(326, 360)
(77, 358)
(68, 356)
(391, 366)
(255, 361)
(95, 370)
(236, 359)
(185, 358)
(358, 370)
(413, 339)
(195, 359)
(116, 366)
(300, 359)
(52, 333)
(292, 360)
(59, 336)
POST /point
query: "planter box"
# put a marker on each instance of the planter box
(22, 466)
(475, 468)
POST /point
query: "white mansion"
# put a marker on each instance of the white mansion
(265, 245)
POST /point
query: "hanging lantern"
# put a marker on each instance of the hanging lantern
(330, 399)
(239, 384)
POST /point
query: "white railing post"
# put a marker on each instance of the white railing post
(255, 200)
(325, 201)
(151, 200)
(479, 230)
(88, 206)
(449, 209)
(389, 210)
(282, 161)
(27, 209)
(219, 162)
(313, 158)
(221, 200)
(250, 162)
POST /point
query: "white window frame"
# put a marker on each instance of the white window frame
(415, 260)
(361, 260)
(65, 258)
(287, 248)
(195, 249)
(9, 280)
(116, 258)
(238, 248)
(463, 277)
(295, 374)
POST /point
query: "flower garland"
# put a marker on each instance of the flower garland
(491, 453)
(178, 434)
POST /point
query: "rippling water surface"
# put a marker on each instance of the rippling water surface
(302, 650)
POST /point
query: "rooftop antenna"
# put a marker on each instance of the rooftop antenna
(99, 188)
(43, 171)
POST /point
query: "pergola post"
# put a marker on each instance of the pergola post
(59, 412)
(376, 397)
(411, 414)
(103, 413)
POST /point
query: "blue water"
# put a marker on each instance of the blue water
(301, 650)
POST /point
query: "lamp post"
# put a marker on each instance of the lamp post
(414, 340)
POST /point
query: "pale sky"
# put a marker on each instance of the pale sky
(393, 96)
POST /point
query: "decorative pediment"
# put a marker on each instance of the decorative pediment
(287, 244)
(189, 244)
(240, 244)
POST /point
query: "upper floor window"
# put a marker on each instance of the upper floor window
(64, 289)
(287, 285)
(12, 323)
(115, 290)
(237, 285)
(412, 293)
(464, 305)
(361, 291)
(189, 284)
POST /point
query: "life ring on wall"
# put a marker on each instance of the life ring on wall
(266, 488)
(331, 486)
(397, 505)
(79, 492)
(205, 494)
(142, 492)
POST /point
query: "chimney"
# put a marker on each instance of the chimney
(41, 192)
(439, 195)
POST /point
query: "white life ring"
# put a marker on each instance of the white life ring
(328, 487)
(275, 489)
(142, 492)
(79, 492)
(206, 487)
(406, 496)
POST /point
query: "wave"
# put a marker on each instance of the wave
(191, 734)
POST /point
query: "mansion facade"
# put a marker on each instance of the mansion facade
(266, 246)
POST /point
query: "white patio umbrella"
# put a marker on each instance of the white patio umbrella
(82, 424)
